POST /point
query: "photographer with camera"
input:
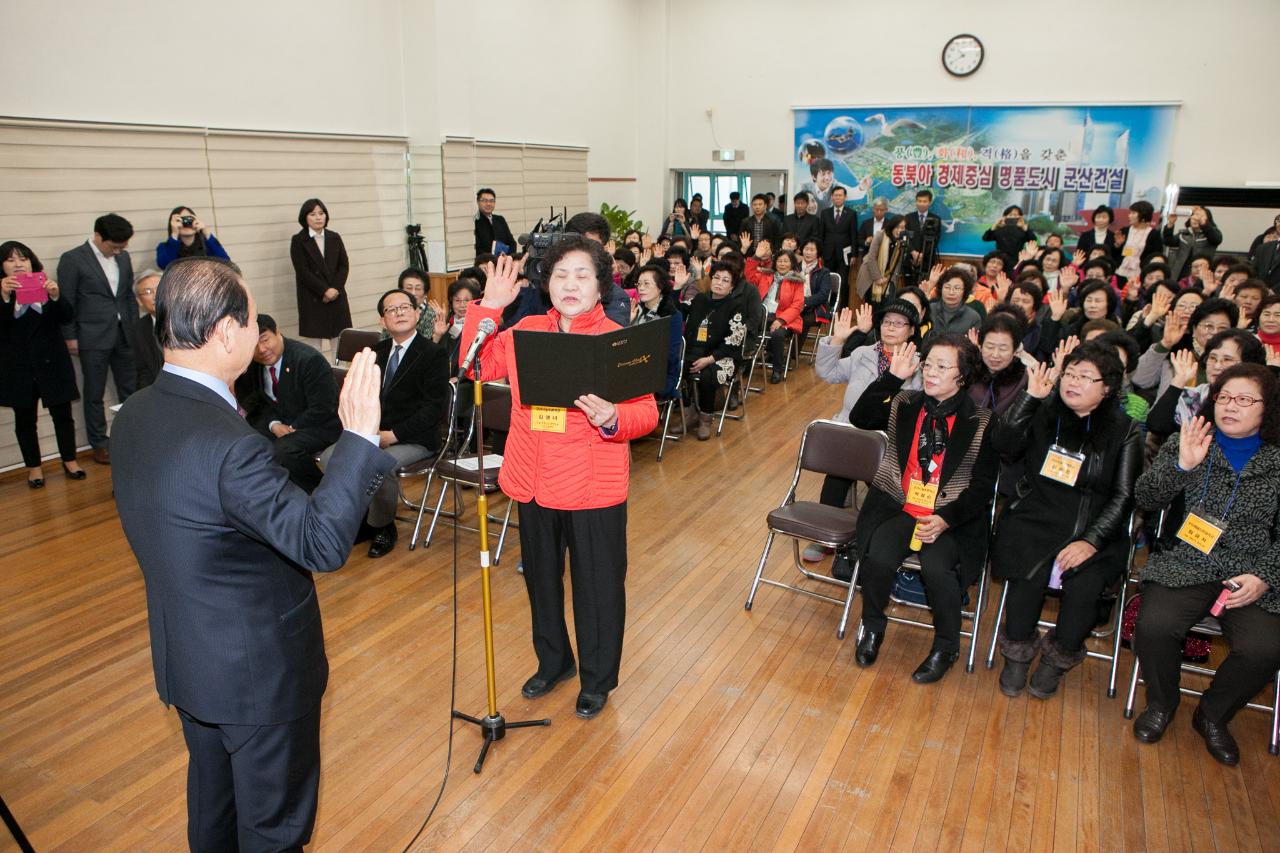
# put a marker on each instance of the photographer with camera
(188, 238)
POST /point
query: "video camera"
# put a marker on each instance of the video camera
(536, 243)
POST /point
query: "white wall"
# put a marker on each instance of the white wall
(1218, 59)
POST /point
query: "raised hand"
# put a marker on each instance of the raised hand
(695, 231)
(1174, 328)
(500, 287)
(1041, 379)
(972, 335)
(359, 407)
(1078, 258)
(1063, 350)
(1273, 356)
(441, 324)
(1068, 277)
(1003, 284)
(863, 316)
(1120, 238)
(843, 326)
(1185, 365)
(1228, 291)
(1028, 251)
(1160, 302)
(1193, 443)
(1057, 304)
(935, 274)
(905, 362)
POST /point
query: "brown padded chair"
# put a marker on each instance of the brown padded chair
(351, 341)
(841, 450)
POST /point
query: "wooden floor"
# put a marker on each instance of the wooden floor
(730, 730)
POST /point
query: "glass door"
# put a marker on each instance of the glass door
(715, 188)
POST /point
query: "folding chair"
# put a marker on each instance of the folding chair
(454, 473)
(352, 341)
(816, 330)
(912, 564)
(840, 450)
(665, 408)
(1120, 591)
(741, 379)
(1206, 627)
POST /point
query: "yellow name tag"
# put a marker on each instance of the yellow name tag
(1200, 533)
(547, 419)
(922, 495)
(1062, 466)
(702, 333)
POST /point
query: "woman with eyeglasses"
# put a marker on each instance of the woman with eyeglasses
(1225, 464)
(931, 494)
(1003, 375)
(1189, 388)
(950, 313)
(1065, 527)
(1210, 317)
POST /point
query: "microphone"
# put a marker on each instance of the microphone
(487, 327)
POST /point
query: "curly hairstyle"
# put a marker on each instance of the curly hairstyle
(968, 358)
(1104, 358)
(1251, 349)
(660, 275)
(600, 259)
(1268, 386)
(966, 280)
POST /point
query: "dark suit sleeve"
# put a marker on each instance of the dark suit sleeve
(322, 394)
(315, 532)
(435, 395)
(306, 276)
(505, 235)
(69, 282)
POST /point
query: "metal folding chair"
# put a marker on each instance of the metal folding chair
(667, 407)
(1112, 630)
(840, 450)
(816, 330)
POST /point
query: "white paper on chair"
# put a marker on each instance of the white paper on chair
(491, 461)
(116, 407)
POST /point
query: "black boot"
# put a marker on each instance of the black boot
(1018, 655)
(1055, 662)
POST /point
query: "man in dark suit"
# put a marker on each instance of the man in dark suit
(415, 395)
(872, 225)
(803, 223)
(918, 269)
(227, 546)
(491, 228)
(839, 230)
(734, 214)
(1266, 264)
(97, 281)
(289, 395)
(147, 355)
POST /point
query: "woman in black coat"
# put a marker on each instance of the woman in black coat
(1100, 235)
(1066, 528)
(34, 363)
(715, 332)
(1010, 233)
(931, 494)
(320, 266)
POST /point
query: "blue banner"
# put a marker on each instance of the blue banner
(1055, 162)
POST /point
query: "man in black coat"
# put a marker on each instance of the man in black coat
(803, 223)
(491, 228)
(1266, 264)
(147, 356)
(96, 278)
(872, 225)
(415, 395)
(289, 395)
(734, 214)
(227, 546)
(917, 270)
(839, 230)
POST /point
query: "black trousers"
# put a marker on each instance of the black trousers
(777, 346)
(596, 540)
(296, 453)
(94, 365)
(1077, 611)
(64, 428)
(705, 384)
(890, 544)
(1167, 613)
(835, 491)
(251, 788)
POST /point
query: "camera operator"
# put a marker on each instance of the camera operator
(922, 225)
(188, 238)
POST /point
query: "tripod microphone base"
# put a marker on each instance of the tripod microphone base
(494, 728)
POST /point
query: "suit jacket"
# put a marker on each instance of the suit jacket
(34, 361)
(866, 231)
(487, 232)
(734, 217)
(415, 402)
(148, 358)
(227, 545)
(805, 228)
(837, 236)
(916, 232)
(99, 315)
(307, 399)
(1266, 264)
(770, 230)
(314, 274)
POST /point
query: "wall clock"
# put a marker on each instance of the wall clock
(962, 55)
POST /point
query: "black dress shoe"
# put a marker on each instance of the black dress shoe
(868, 648)
(1221, 745)
(1150, 725)
(383, 541)
(73, 475)
(37, 483)
(775, 377)
(590, 704)
(538, 686)
(934, 667)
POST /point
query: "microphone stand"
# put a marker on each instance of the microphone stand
(493, 726)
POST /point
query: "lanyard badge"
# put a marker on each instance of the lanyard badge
(1062, 465)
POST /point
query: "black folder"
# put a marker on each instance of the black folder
(556, 368)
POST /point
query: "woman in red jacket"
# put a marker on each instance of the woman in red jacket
(782, 287)
(567, 469)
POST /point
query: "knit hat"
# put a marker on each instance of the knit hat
(902, 307)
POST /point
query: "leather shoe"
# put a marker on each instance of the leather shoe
(73, 475)
(102, 455)
(37, 483)
(1150, 725)
(536, 686)
(868, 648)
(775, 377)
(383, 541)
(590, 704)
(934, 667)
(1221, 745)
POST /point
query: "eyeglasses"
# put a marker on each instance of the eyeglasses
(1070, 376)
(1244, 401)
(935, 369)
(397, 310)
(895, 324)
(1211, 328)
(1223, 360)
(147, 291)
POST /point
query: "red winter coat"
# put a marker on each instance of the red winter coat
(579, 468)
(790, 294)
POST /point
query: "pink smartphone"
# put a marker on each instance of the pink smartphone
(31, 288)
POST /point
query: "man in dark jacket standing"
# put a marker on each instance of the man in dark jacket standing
(227, 546)
(839, 230)
(734, 213)
(492, 233)
(802, 223)
(147, 356)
